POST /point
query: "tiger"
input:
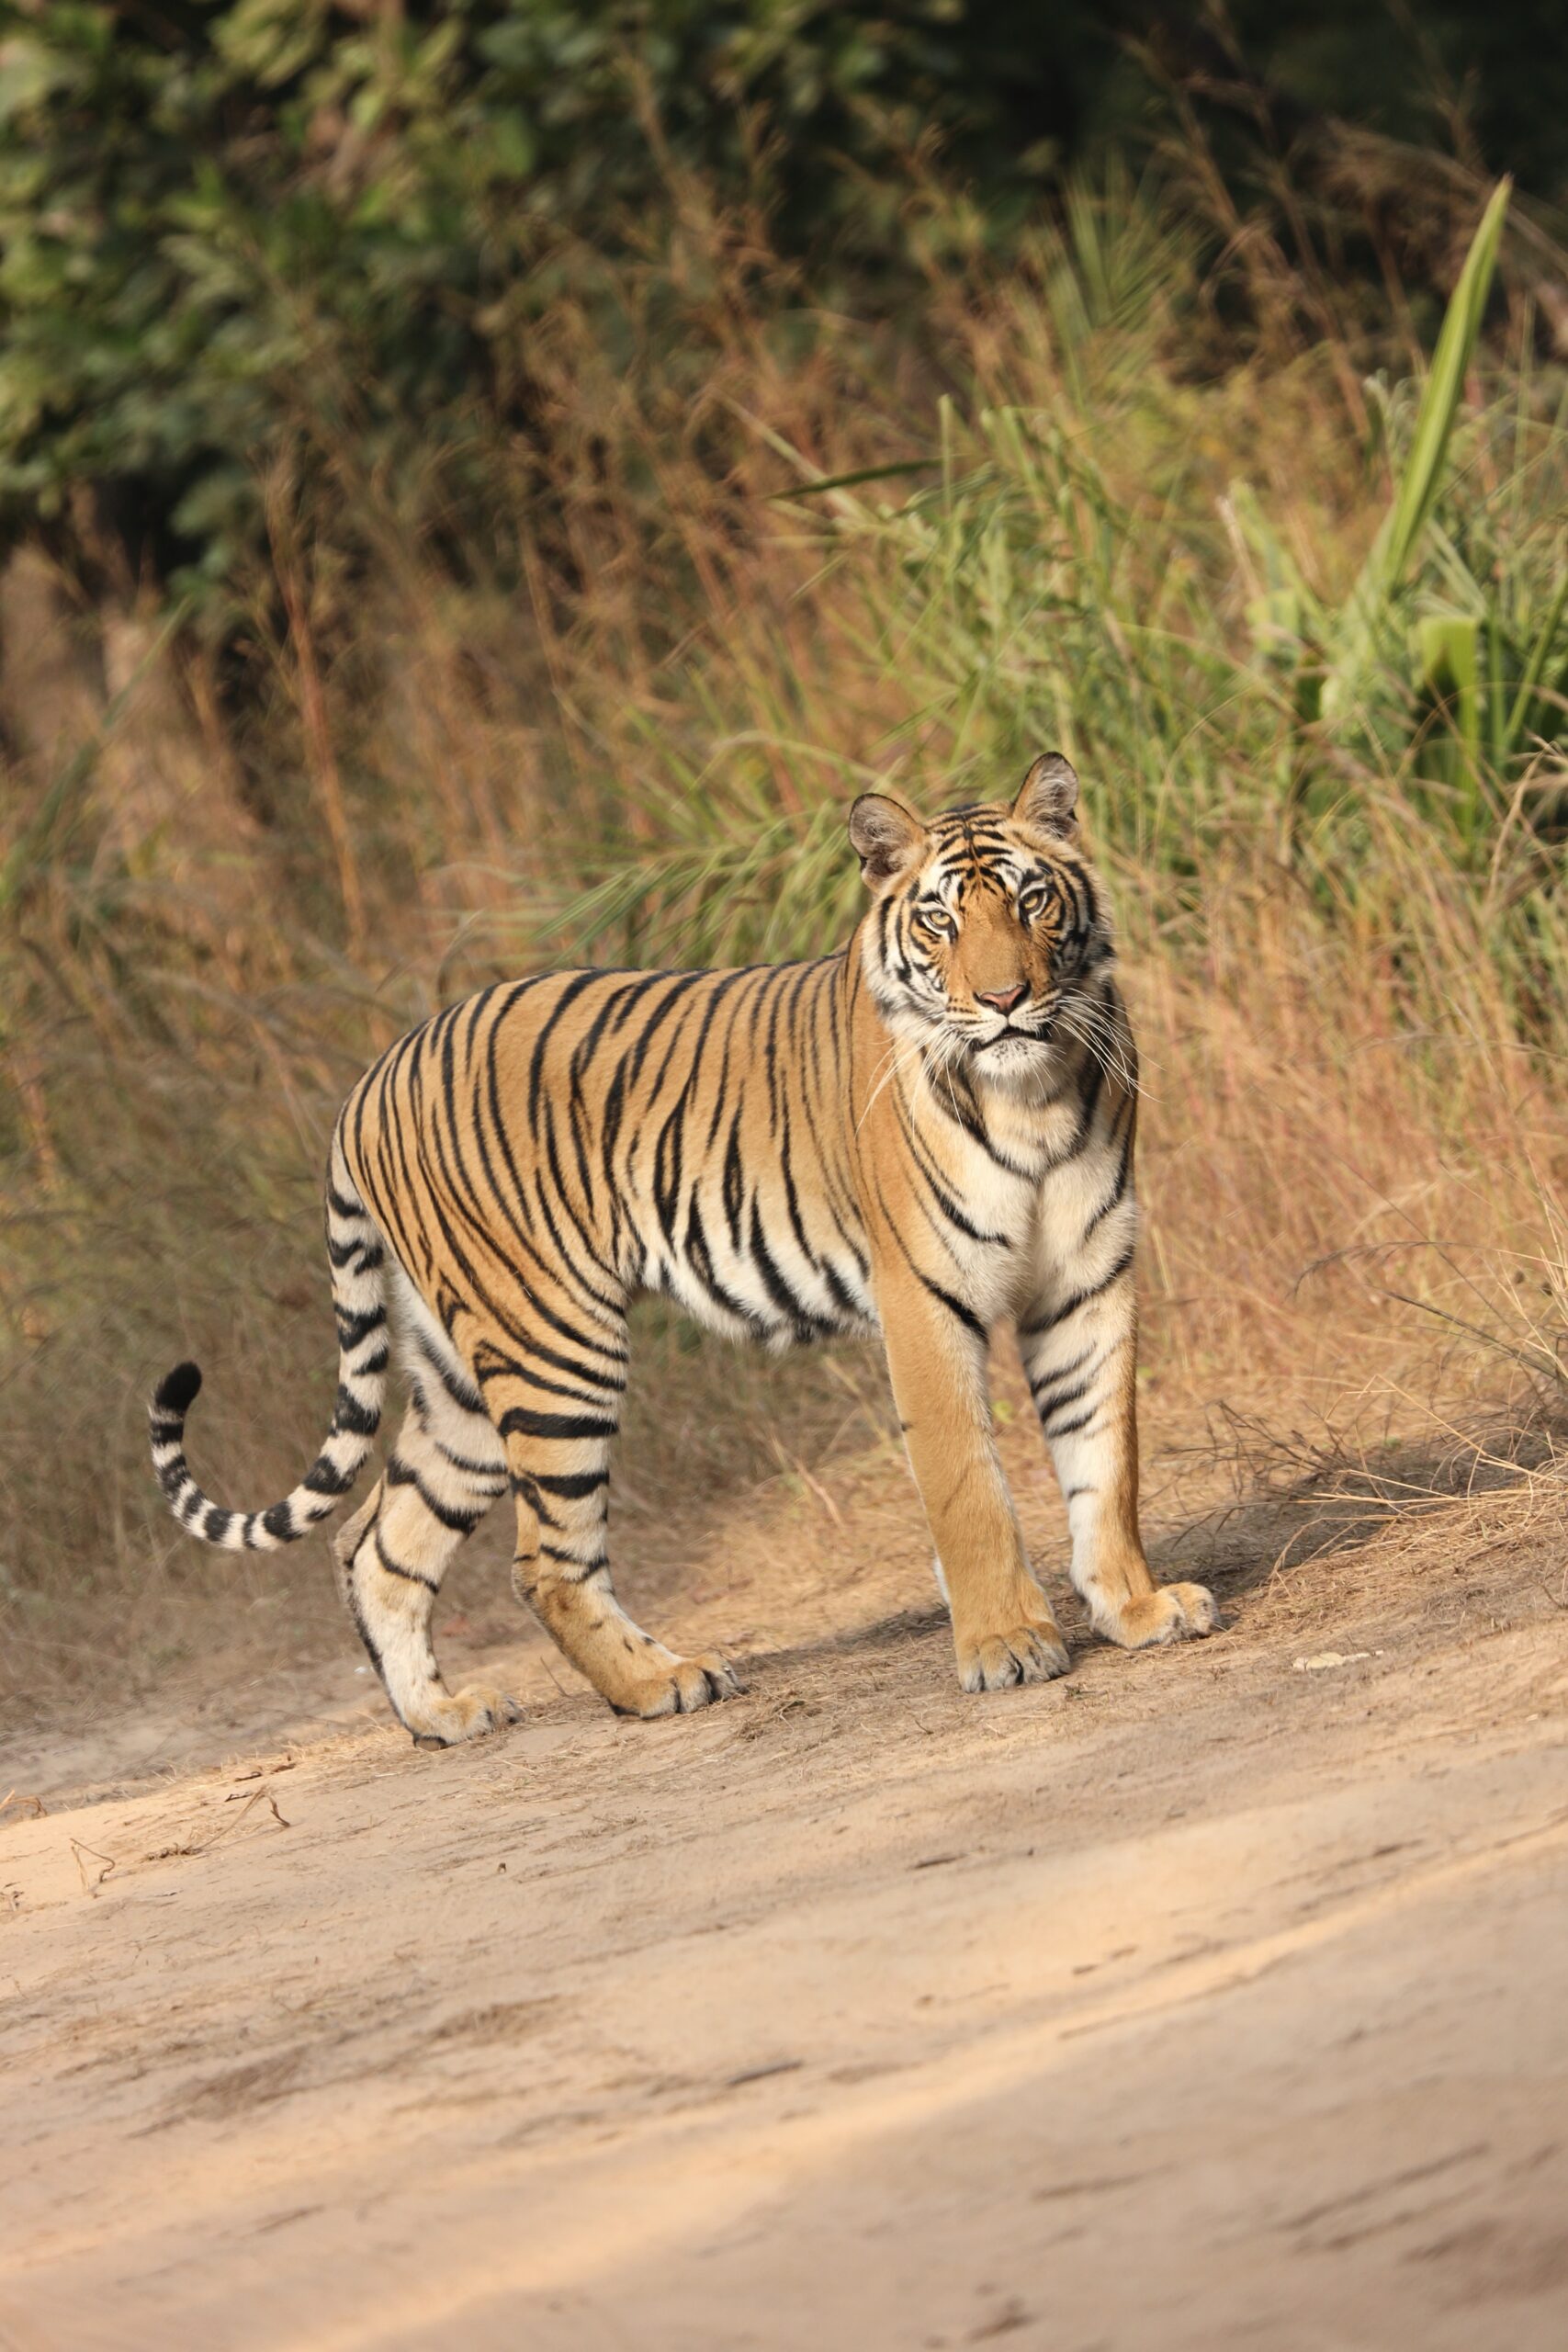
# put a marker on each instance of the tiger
(926, 1135)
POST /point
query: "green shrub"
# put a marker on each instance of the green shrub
(221, 222)
(235, 227)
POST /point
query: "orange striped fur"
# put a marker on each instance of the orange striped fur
(927, 1134)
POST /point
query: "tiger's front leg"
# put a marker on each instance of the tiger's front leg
(1003, 1630)
(1079, 1346)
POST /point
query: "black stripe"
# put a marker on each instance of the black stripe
(463, 1461)
(352, 1329)
(396, 1568)
(698, 1259)
(1036, 1328)
(554, 1387)
(570, 1486)
(559, 1552)
(1070, 1429)
(519, 1421)
(568, 997)
(460, 1389)
(1037, 1387)
(1088, 1104)
(1049, 1410)
(965, 1315)
(1116, 1195)
(369, 1254)
(734, 1183)
(838, 1292)
(324, 1478)
(461, 1522)
(348, 1413)
(794, 1310)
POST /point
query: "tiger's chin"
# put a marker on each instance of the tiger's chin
(1018, 1063)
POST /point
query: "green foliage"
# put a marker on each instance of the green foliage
(235, 227)
(1061, 573)
(223, 224)
(1448, 650)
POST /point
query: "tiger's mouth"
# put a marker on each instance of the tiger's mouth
(1011, 1036)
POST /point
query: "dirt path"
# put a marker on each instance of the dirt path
(1201, 1999)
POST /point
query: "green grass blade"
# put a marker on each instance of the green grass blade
(1535, 667)
(1423, 474)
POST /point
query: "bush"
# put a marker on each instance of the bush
(217, 221)
(228, 227)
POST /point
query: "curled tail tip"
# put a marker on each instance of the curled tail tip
(177, 1391)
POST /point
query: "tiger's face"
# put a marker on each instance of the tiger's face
(988, 924)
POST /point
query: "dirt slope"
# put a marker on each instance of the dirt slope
(1201, 1999)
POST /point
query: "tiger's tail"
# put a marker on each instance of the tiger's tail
(359, 1302)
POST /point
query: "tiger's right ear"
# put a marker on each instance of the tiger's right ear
(885, 837)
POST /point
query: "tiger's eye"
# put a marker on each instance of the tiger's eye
(936, 919)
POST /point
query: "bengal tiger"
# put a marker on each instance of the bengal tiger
(925, 1135)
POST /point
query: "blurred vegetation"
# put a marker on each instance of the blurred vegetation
(201, 206)
(432, 555)
(229, 229)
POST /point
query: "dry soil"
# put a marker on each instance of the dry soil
(1209, 1998)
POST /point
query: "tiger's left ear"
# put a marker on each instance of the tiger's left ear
(1048, 798)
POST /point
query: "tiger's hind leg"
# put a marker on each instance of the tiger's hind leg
(442, 1476)
(558, 1458)
(563, 1572)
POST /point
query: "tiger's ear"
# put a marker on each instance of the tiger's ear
(1048, 797)
(886, 838)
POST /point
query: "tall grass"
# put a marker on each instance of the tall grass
(766, 557)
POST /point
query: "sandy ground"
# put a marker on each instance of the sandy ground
(1206, 1999)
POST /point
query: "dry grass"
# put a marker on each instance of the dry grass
(625, 720)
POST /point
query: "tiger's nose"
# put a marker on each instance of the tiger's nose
(1003, 999)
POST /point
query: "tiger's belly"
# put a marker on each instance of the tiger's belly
(785, 1260)
(772, 1261)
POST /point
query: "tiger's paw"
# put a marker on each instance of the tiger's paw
(1175, 1612)
(444, 1720)
(997, 1661)
(678, 1686)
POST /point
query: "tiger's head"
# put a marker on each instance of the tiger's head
(988, 926)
